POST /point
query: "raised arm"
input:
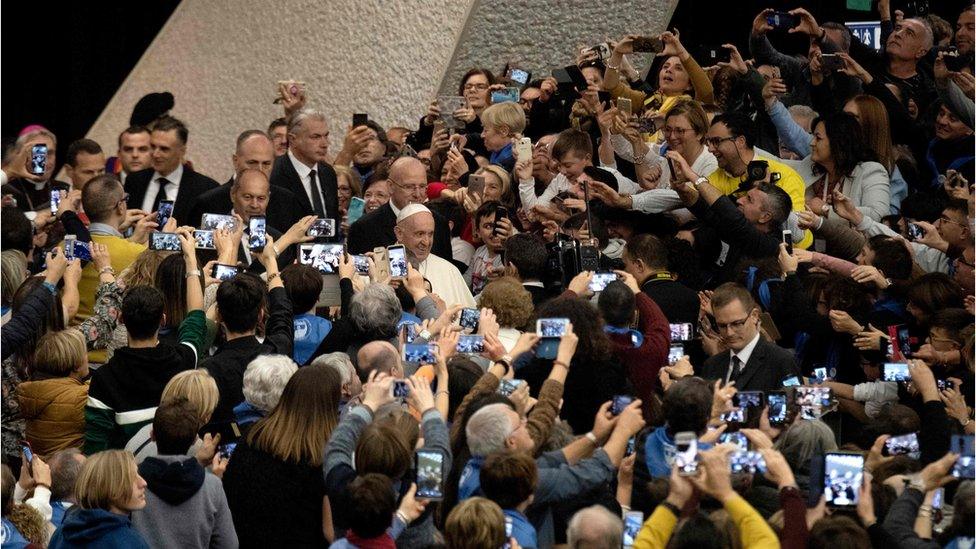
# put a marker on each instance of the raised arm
(27, 321)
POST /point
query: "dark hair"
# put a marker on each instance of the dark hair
(527, 252)
(86, 146)
(171, 280)
(960, 205)
(684, 262)
(932, 292)
(175, 426)
(572, 141)
(381, 172)
(132, 130)
(835, 531)
(449, 210)
(171, 123)
(778, 203)
(277, 123)
(892, 257)
(698, 532)
(486, 209)
(303, 283)
(921, 207)
(17, 231)
(687, 405)
(595, 345)
(382, 449)
(953, 321)
(484, 72)
(509, 478)
(240, 301)
(617, 303)
(464, 374)
(848, 147)
(649, 249)
(24, 360)
(372, 503)
(598, 230)
(845, 33)
(100, 196)
(142, 311)
(739, 125)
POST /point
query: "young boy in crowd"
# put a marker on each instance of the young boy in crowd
(304, 284)
(509, 479)
(487, 261)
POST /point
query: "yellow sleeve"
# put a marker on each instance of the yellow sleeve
(721, 180)
(699, 81)
(753, 530)
(793, 184)
(636, 96)
(657, 530)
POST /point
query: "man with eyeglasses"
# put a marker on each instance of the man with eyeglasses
(753, 363)
(408, 185)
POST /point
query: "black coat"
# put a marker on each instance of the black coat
(767, 366)
(723, 223)
(281, 210)
(283, 174)
(191, 186)
(678, 302)
(375, 229)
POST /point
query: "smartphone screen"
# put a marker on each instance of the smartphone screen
(788, 240)
(356, 208)
(633, 521)
(398, 261)
(28, 453)
(227, 450)
(169, 242)
(204, 239)
(842, 478)
(675, 353)
(400, 389)
(748, 399)
(224, 272)
(430, 475)
(213, 222)
(681, 331)
(38, 160)
(258, 232)
(777, 407)
(55, 201)
(470, 318)
(744, 461)
(322, 227)
(551, 327)
(686, 453)
(619, 403)
(896, 371)
(820, 374)
(813, 396)
(420, 353)
(324, 257)
(791, 381)
(964, 466)
(735, 415)
(362, 264)
(781, 20)
(164, 212)
(408, 331)
(600, 280)
(471, 344)
(508, 386)
(902, 445)
(737, 438)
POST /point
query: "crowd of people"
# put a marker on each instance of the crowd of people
(698, 303)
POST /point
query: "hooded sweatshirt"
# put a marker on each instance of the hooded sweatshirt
(185, 506)
(96, 528)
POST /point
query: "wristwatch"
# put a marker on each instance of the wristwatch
(700, 180)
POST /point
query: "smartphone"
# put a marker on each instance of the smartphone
(359, 119)
(602, 50)
(471, 344)
(631, 446)
(937, 498)
(633, 521)
(476, 184)
(904, 338)
(362, 264)
(776, 400)
(227, 450)
(625, 106)
(322, 227)
(745, 461)
(735, 415)
(843, 472)
(674, 176)
(257, 232)
(400, 389)
(964, 466)
(820, 374)
(408, 331)
(164, 212)
(420, 353)
(204, 239)
(600, 280)
(737, 438)
(791, 381)
(896, 371)
(902, 445)
(914, 232)
(55, 201)
(589, 258)
(831, 62)
(619, 403)
(782, 21)
(509, 528)
(813, 396)
(506, 95)
(469, 319)
(324, 257)
(381, 259)
(551, 327)
(212, 222)
(675, 352)
(430, 475)
(398, 261)
(166, 242)
(508, 386)
(648, 44)
(811, 413)
(748, 399)
(75, 249)
(788, 240)
(224, 272)
(500, 213)
(357, 206)
(523, 149)
(686, 453)
(681, 331)
(516, 74)
(28, 452)
(38, 159)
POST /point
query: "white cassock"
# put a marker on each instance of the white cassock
(446, 281)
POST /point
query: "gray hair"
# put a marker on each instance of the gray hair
(339, 362)
(296, 120)
(376, 309)
(802, 111)
(65, 468)
(804, 439)
(928, 38)
(13, 269)
(845, 34)
(595, 528)
(34, 133)
(488, 428)
(265, 380)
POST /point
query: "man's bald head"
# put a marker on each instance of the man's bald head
(595, 528)
(408, 179)
(250, 193)
(255, 151)
(380, 356)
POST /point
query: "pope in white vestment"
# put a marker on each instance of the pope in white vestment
(415, 230)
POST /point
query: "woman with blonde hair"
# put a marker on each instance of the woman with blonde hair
(197, 387)
(476, 523)
(107, 491)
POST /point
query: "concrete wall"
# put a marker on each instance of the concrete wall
(221, 58)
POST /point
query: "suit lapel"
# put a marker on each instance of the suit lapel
(753, 366)
(297, 184)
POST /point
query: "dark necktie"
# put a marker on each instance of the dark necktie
(736, 368)
(161, 194)
(316, 196)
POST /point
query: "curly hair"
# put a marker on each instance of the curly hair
(142, 271)
(509, 300)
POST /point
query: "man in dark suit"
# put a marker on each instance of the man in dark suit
(168, 178)
(408, 185)
(753, 363)
(304, 171)
(646, 257)
(525, 259)
(254, 151)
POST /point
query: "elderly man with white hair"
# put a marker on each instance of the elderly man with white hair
(264, 381)
(352, 386)
(594, 528)
(415, 230)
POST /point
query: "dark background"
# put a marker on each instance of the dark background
(65, 73)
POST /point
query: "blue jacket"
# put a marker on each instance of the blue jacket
(85, 528)
(10, 537)
(245, 413)
(58, 512)
(659, 450)
(522, 529)
(310, 330)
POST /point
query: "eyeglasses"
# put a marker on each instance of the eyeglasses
(735, 325)
(411, 188)
(716, 141)
(945, 219)
(480, 87)
(125, 198)
(678, 132)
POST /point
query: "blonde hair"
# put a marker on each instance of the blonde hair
(142, 271)
(507, 197)
(14, 267)
(355, 185)
(106, 480)
(198, 388)
(509, 300)
(59, 353)
(476, 523)
(508, 114)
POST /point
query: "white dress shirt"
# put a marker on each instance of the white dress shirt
(304, 175)
(172, 189)
(743, 355)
